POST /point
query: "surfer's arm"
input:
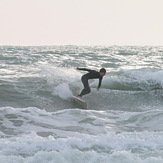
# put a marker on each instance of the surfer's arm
(84, 69)
(99, 84)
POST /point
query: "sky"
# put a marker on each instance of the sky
(81, 22)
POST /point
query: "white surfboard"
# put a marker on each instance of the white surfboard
(79, 102)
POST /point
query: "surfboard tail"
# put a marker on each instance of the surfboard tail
(79, 102)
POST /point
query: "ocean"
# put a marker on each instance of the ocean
(39, 123)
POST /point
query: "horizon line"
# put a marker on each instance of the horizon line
(80, 45)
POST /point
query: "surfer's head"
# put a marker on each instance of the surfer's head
(102, 71)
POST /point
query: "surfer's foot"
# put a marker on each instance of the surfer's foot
(79, 97)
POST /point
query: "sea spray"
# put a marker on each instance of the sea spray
(63, 91)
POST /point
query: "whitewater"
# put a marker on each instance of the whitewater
(39, 123)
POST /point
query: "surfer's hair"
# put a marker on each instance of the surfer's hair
(103, 70)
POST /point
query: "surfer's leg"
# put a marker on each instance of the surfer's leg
(86, 89)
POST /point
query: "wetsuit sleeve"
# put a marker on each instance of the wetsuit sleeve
(85, 69)
(99, 84)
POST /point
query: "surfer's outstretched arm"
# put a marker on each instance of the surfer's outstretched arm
(83, 69)
(99, 84)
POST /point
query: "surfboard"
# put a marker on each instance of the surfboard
(79, 102)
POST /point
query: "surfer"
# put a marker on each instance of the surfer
(92, 74)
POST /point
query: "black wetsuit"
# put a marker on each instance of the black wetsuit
(91, 75)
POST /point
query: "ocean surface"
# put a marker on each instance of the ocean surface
(39, 123)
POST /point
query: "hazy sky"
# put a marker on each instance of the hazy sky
(81, 22)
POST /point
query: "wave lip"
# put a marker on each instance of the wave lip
(134, 80)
